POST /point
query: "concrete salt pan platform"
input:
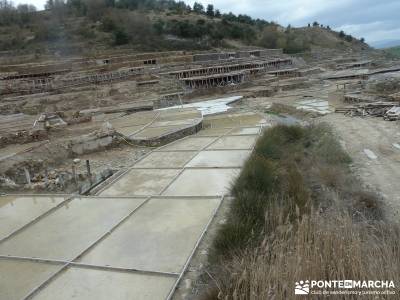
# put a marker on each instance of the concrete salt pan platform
(203, 182)
(157, 128)
(220, 159)
(97, 284)
(162, 126)
(162, 245)
(18, 278)
(139, 182)
(17, 211)
(69, 230)
(136, 239)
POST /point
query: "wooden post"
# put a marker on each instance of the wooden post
(88, 168)
(27, 176)
(46, 176)
(74, 174)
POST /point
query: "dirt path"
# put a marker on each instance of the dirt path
(383, 172)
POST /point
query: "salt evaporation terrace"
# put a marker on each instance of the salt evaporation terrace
(135, 237)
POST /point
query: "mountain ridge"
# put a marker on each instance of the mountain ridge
(386, 44)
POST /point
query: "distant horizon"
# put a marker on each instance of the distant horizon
(386, 44)
(377, 23)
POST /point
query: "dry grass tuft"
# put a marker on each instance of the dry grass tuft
(318, 247)
(299, 214)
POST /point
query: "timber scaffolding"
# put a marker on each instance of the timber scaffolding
(102, 77)
(95, 64)
(34, 75)
(45, 84)
(215, 80)
(107, 62)
(145, 57)
(216, 56)
(363, 74)
(358, 98)
(253, 67)
(357, 64)
(292, 72)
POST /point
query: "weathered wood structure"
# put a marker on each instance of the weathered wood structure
(221, 69)
(34, 75)
(292, 72)
(214, 80)
(48, 84)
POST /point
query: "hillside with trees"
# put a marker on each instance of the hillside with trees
(393, 52)
(74, 26)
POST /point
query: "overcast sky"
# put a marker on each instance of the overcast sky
(375, 20)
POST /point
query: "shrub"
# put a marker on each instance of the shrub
(256, 177)
(279, 230)
(318, 247)
(120, 37)
(349, 38)
(47, 31)
(108, 24)
(275, 171)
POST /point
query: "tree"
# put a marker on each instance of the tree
(8, 13)
(25, 12)
(315, 24)
(96, 9)
(26, 8)
(348, 38)
(108, 24)
(229, 17)
(295, 44)
(181, 8)
(49, 4)
(245, 19)
(58, 8)
(217, 14)
(362, 40)
(210, 10)
(138, 28)
(198, 8)
(77, 7)
(110, 3)
(6, 5)
(159, 26)
(342, 34)
(270, 37)
(120, 37)
(47, 31)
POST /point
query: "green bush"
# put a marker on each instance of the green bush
(276, 174)
(257, 176)
(120, 37)
(232, 237)
(275, 142)
(108, 24)
(47, 32)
